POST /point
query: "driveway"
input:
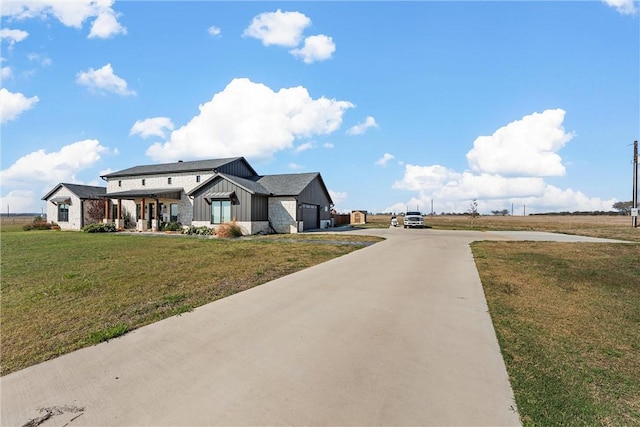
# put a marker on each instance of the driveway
(394, 334)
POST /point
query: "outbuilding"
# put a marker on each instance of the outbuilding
(70, 205)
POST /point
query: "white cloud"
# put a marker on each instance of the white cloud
(361, 128)
(338, 197)
(294, 166)
(41, 59)
(278, 28)
(19, 201)
(14, 104)
(53, 167)
(103, 80)
(506, 168)
(214, 31)
(69, 13)
(525, 147)
(5, 73)
(327, 145)
(304, 147)
(13, 36)
(250, 119)
(106, 25)
(624, 7)
(384, 159)
(156, 126)
(316, 48)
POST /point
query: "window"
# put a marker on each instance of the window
(173, 213)
(169, 180)
(63, 212)
(119, 183)
(220, 211)
(197, 178)
(144, 181)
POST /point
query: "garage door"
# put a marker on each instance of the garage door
(310, 217)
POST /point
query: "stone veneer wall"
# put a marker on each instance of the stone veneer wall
(75, 211)
(186, 181)
(282, 214)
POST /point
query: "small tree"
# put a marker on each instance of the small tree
(623, 207)
(95, 211)
(473, 210)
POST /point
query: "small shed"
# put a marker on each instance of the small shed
(358, 217)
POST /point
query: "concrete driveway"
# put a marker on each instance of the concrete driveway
(394, 334)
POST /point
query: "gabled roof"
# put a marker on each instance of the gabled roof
(287, 184)
(191, 166)
(82, 191)
(247, 184)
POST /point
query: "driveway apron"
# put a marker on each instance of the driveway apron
(394, 334)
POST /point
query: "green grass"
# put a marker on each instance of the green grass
(567, 317)
(65, 290)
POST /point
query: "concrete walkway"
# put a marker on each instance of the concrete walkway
(394, 334)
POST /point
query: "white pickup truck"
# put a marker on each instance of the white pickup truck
(413, 219)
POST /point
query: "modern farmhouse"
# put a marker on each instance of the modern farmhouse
(213, 192)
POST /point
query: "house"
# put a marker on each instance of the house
(70, 205)
(358, 217)
(217, 191)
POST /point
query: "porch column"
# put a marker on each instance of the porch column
(107, 211)
(142, 224)
(155, 225)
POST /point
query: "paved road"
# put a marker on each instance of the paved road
(394, 334)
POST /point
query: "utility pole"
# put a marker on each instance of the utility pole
(634, 203)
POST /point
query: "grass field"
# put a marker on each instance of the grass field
(65, 290)
(567, 315)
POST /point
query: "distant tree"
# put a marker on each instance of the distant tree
(503, 212)
(623, 207)
(95, 211)
(473, 210)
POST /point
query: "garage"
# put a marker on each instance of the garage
(310, 216)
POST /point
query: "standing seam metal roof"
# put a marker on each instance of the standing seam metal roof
(190, 166)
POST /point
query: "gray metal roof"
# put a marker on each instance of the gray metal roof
(190, 166)
(82, 191)
(287, 184)
(167, 193)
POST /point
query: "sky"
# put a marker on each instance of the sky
(527, 106)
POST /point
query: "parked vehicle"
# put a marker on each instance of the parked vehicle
(413, 219)
(394, 221)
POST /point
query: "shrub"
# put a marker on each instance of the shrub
(99, 228)
(170, 226)
(229, 230)
(39, 225)
(200, 231)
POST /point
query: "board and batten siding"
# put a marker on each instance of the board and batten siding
(314, 194)
(244, 206)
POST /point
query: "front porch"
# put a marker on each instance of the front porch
(152, 206)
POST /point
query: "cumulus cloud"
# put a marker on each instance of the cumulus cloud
(103, 80)
(53, 167)
(214, 31)
(13, 36)
(506, 168)
(70, 14)
(361, 128)
(624, 7)
(327, 145)
(295, 166)
(304, 147)
(156, 126)
(316, 48)
(5, 73)
(384, 159)
(43, 60)
(14, 104)
(338, 197)
(250, 119)
(20, 201)
(278, 28)
(525, 147)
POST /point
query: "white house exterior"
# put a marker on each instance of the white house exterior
(68, 204)
(217, 191)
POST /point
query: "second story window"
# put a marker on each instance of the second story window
(197, 178)
(169, 180)
(119, 183)
(144, 181)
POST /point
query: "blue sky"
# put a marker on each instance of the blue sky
(399, 105)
